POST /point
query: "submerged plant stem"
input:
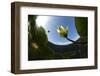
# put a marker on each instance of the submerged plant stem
(70, 39)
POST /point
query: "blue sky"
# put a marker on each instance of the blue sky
(50, 23)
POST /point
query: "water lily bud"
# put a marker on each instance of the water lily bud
(62, 31)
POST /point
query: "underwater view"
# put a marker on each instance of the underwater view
(57, 37)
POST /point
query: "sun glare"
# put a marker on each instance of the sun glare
(41, 20)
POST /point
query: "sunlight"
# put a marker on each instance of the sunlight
(41, 21)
